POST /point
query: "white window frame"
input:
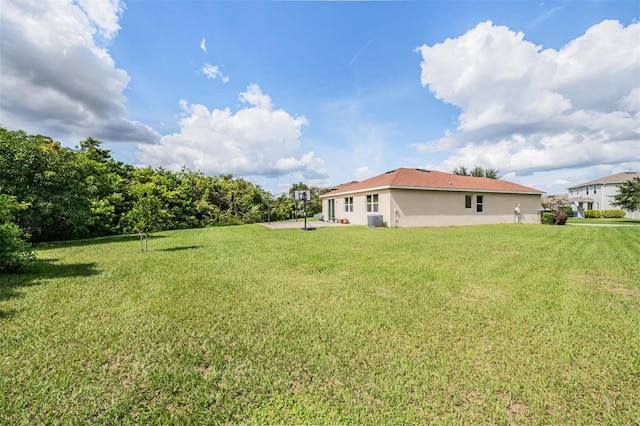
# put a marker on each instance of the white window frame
(372, 203)
(348, 204)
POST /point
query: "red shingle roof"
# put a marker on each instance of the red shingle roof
(431, 179)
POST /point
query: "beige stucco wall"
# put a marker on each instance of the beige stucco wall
(412, 208)
(359, 216)
(446, 208)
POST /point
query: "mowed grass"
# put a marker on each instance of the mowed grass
(501, 324)
(607, 221)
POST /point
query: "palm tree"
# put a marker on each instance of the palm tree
(477, 171)
(461, 171)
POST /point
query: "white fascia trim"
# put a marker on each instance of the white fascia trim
(496, 191)
(378, 188)
(422, 188)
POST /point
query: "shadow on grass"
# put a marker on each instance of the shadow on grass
(632, 221)
(91, 241)
(37, 274)
(605, 222)
(179, 248)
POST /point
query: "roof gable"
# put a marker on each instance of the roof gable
(405, 178)
(616, 178)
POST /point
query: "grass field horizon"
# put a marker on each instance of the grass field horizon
(498, 324)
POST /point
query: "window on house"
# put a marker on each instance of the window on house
(467, 201)
(348, 204)
(479, 203)
(372, 203)
(595, 191)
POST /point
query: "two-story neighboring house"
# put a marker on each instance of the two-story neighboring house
(598, 194)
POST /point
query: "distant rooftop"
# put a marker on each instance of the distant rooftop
(616, 178)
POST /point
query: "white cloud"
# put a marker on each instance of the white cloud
(203, 45)
(254, 96)
(212, 72)
(104, 15)
(631, 102)
(362, 173)
(52, 68)
(256, 140)
(525, 109)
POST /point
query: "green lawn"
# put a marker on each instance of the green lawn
(622, 221)
(503, 324)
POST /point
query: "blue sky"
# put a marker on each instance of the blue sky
(328, 92)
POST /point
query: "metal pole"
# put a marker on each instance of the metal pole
(305, 210)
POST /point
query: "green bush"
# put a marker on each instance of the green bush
(613, 214)
(548, 218)
(15, 252)
(609, 214)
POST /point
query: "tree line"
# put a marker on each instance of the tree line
(50, 192)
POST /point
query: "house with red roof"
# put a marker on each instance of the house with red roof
(407, 197)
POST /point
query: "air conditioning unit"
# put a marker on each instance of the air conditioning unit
(375, 221)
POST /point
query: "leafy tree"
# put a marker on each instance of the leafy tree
(628, 196)
(557, 204)
(314, 205)
(316, 202)
(91, 148)
(279, 208)
(147, 215)
(73, 193)
(15, 251)
(41, 173)
(105, 181)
